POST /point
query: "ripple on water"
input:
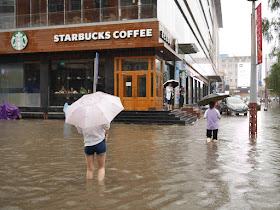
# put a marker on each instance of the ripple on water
(147, 167)
(11, 208)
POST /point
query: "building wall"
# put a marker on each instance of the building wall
(42, 13)
(230, 67)
(198, 25)
(186, 22)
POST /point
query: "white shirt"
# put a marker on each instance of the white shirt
(169, 90)
(94, 135)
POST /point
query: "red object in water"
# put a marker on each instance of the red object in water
(253, 119)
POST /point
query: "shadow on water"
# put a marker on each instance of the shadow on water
(147, 167)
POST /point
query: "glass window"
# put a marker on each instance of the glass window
(152, 85)
(128, 2)
(136, 64)
(56, 12)
(127, 89)
(35, 13)
(118, 83)
(148, 8)
(7, 17)
(75, 5)
(12, 77)
(129, 9)
(70, 79)
(20, 84)
(157, 84)
(31, 78)
(141, 86)
(56, 5)
(158, 65)
(91, 10)
(23, 13)
(152, 64)
(110, 10)
(44, 16)
(73, 15)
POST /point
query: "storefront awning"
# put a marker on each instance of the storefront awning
(218, 78)
(188, 48)
(168, 53)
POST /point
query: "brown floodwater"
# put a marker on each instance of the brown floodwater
(147, 166)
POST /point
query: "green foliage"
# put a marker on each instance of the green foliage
(271, 32)
(271, 28)
(274, 5)
(274, 79)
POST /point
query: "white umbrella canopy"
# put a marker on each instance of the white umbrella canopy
(93, 109)
(174, 83)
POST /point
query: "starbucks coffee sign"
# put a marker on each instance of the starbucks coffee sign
(19, 40)
(103, 35)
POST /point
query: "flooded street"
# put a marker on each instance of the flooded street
(147, 166)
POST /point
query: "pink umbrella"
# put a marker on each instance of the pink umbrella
(93, 109)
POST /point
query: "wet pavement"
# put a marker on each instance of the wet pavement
(148, 166)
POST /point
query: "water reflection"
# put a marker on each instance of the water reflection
(67, 131)
(147, 167)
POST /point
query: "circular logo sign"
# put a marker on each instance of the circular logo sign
(19, 40)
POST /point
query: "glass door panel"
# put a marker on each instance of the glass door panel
(127, 86)
(141, 86)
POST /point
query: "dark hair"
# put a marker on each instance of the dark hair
(212, 104)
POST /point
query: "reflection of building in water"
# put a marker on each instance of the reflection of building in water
(67, 131)
(139, 47)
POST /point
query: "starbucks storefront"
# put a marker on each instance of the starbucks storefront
(50, 70)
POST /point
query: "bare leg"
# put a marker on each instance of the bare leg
(90, 166)
(101, 166)
(169, 107)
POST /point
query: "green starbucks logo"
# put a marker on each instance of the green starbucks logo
(19, 40)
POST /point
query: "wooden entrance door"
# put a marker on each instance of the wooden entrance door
(133, 90)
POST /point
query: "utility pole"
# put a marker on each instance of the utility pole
(266, 98)
(253, 84)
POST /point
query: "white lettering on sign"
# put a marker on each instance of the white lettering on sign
(103, 35)
(165, 37)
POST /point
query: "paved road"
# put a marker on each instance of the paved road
(148, 166)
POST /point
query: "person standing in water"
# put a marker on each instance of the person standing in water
(95, 142)
(212, 115)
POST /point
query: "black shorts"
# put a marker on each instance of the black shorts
(99, 149)
(170, 101)
(209, 134)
